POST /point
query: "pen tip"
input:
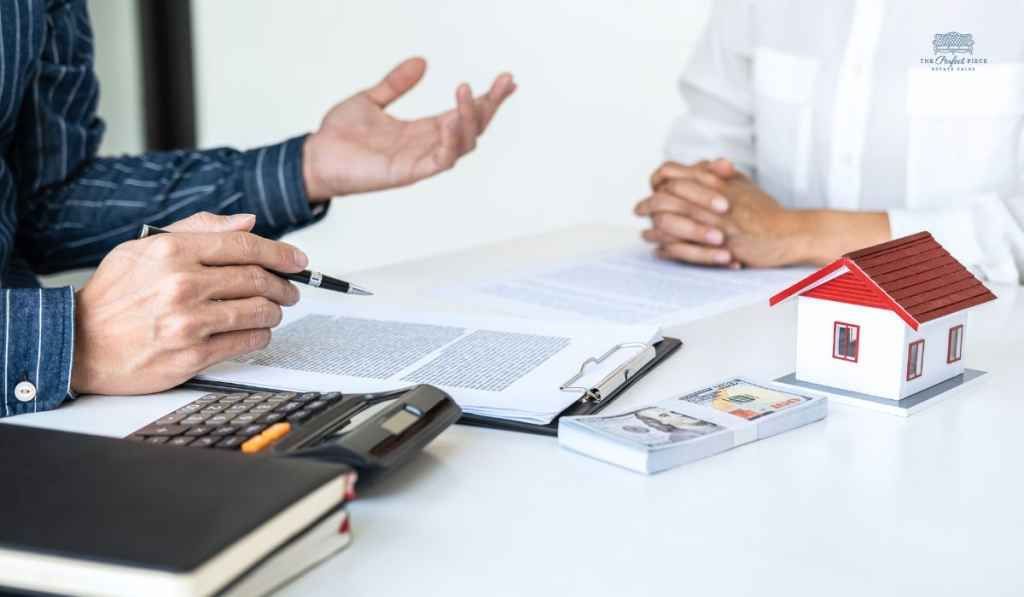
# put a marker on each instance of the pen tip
(353, 289)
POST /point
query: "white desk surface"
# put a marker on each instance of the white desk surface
(862, 503)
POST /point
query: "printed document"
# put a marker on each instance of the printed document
(492, 366)
(628, 286)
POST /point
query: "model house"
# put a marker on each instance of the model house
(889, 320)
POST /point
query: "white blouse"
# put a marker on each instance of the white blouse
(860, 105)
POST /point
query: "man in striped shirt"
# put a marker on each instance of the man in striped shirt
(159, 310)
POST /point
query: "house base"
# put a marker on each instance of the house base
(903, 408)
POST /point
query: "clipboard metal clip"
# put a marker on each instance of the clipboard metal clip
(616, 378)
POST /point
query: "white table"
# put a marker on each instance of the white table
(861, 504)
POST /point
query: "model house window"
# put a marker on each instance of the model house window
(956, 344)
(915, 360)
(846, 341)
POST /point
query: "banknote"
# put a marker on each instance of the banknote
(652, 426)
(744, 399)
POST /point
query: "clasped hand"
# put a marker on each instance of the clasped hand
(711, 213)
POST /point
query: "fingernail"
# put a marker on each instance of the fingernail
(300, 258)
(720, 204)
(714, 236)
(242, 218)
(723, 257)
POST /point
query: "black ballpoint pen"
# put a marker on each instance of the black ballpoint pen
(310, 278)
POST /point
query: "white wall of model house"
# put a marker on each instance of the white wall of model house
(935, 334)
(881, 366)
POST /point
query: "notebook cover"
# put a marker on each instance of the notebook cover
(663, 349)
(136, 504)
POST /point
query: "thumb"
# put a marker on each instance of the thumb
(723, 168)
(205, 221)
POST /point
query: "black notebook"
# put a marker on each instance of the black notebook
(85, 514)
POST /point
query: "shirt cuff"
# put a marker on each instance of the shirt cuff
(275, 189)
(972, 232)
(39, 347)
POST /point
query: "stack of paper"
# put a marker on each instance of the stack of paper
(492, 366)
(694, 426)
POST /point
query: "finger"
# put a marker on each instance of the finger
(241, 314)
(467, 118)
(245, 281)
(243, 248)
(695, 192)
(400, 80)
(698, 172)
(228, 345)
(447, 149)
(680, 227)
(205, 221)
(723, 167)
(658, 237)
(666, 203)
(488, 105)
(693, 253)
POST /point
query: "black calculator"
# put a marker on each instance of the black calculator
(372, 433)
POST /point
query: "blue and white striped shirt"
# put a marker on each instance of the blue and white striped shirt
(63, 207)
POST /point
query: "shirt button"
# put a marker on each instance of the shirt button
(25, 391)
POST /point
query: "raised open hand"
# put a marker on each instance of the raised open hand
(359, 147)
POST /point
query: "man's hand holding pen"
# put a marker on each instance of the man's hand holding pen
(159, 310)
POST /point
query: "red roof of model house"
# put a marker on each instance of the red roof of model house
(912, 276)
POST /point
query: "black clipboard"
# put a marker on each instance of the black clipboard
(594, 399)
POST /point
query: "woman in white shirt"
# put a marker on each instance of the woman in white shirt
(845, 124)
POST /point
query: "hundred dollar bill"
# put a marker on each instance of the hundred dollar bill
(652, 426)
(745, 399)
(690, 427)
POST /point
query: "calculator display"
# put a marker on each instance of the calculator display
(399, 422)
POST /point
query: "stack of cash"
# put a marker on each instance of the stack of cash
(691, 427)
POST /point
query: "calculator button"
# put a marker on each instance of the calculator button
(285, 395)
(224, 430)
(308, 397)
(288, 407)
(136, 438)
(157, 439)
(299, 416)
(199, 430)
(232, 399)
(181, 440)
(244, 419)
(262, 408)
(196, 419)
(270, 418)
(203, 442)
(316, 405)
(218, 419)
(331, 396)
(189, 408)
(232, 441)
(251, 430)
(237, 408)
(209, 398)
(255, 399)
(171, 418)
(162, 430)
(212, 409)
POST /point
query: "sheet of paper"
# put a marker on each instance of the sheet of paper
(627, 286)
(491, 365)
